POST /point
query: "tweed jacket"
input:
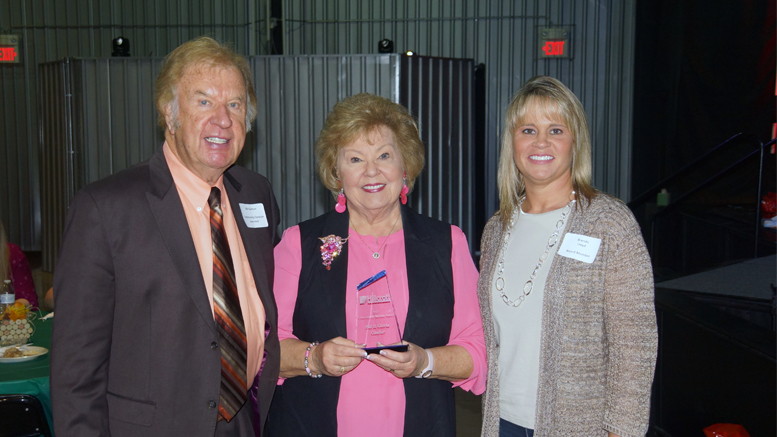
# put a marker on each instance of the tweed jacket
(599, 338)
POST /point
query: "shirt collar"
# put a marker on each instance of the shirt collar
(189, 184)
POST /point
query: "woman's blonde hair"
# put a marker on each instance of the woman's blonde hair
(201, 52)
(5, 256)
(554, 101)
(360, 115)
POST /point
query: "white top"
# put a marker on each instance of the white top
(518, 329)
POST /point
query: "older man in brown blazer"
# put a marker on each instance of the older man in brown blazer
(165, 313)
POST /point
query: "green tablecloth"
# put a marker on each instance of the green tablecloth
(31, 377)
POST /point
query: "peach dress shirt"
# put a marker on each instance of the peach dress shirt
(194, 193)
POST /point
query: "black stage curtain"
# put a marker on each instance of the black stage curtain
(704, 71)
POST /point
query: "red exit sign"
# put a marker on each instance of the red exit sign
(8, 54)
(9, 49)
(554, 43)
(554, 48)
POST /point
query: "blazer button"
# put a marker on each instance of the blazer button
(214, 345)
(211, 404)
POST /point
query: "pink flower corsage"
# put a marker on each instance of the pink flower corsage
(332, 247)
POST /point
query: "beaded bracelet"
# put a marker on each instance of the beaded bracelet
(307, 355)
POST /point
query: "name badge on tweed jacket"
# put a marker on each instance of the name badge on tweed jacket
(580, 247)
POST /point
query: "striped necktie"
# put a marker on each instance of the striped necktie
(229, 318)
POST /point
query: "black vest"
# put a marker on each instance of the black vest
(304, 406)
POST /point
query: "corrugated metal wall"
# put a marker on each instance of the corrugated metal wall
(110, 103)
(55, 29)
(504, 36)
(438, 91)
(114, 115)
(500, 34)
(101, 119)
(295, 95)
(98, 118)
(56, 158)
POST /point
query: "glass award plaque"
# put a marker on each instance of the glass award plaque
(376, 321)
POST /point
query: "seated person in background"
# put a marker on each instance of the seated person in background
(48, 300)
(14, 266)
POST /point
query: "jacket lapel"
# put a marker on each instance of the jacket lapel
(423, 269)
(168, 212)
(251, 240)
(336, 279)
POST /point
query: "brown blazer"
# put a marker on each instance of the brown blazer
(134, 347)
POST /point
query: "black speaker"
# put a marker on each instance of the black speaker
(121, 47)
(385, 46)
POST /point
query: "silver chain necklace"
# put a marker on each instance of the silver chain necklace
(376, 254)
(529, 285)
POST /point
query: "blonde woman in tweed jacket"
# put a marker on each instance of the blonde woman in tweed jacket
(566, 287)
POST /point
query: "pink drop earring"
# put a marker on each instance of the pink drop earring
(340, 207)
(405, 190)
